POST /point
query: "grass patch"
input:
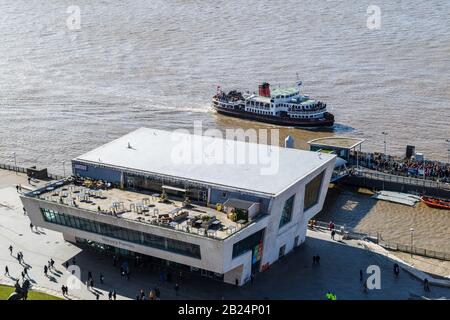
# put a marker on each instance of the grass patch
(5, 291)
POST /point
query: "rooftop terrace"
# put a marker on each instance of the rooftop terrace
(152, 209)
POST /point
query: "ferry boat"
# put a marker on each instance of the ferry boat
(285, 107)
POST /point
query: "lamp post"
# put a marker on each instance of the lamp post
(384, 133)
(448, 150)
(64, 168)
(15, 162)
(412, 237)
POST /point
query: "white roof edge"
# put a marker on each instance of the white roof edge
(149, 161)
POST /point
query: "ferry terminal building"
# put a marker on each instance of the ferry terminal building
(223, 221)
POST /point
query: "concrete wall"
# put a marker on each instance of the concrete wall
(215, 196)
(276, 237)
(216, 255)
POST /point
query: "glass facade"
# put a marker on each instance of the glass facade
(146, 239)
(312, 191)
(286, 214)
(248, 243)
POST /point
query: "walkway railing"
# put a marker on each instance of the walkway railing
(349, 233)
(24, 170)
(386, 177)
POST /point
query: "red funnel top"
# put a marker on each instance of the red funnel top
(264, 90)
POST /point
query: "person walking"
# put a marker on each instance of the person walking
(63, 290)
(110, 295)
(102, 278)
(67, 264)
(89, 276)
(91, 284)
(52, 263)
(7, 271)
(177, 288)
(45, 270)
(426, 285)
(31, 227)
(114, 294)
(333, 234)
(10, 249)
(24, 211)
(25, 271)
(396, 269)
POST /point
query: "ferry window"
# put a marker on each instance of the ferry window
(312, 191)
(286, 214)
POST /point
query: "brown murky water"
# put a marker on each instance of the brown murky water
(157, 64)
(359, 211)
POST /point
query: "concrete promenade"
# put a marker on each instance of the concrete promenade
(294, 277)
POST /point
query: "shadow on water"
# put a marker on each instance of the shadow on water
(345, 206)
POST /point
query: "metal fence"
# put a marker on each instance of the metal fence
(24, 170)
(377, 238)
(415, 250)
(386, 177)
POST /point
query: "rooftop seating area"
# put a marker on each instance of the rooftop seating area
(153, 209)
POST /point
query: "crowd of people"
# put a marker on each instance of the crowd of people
(433, 170)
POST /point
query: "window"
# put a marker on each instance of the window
(281, 252)
(150, 240)
(248, 243)
(286, 214)
(312, 191)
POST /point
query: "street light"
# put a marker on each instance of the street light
(448, 150)
(384, 133)
(15, 162)
(412, 236)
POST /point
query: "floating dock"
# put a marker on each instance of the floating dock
(397, 197)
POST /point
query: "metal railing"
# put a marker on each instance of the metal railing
(24, 170)
(377, 238)
(415, 250)
(386, 177)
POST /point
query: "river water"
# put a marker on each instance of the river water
(157, 63)
(64, 91)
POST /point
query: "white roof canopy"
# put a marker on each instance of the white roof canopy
(213, 161)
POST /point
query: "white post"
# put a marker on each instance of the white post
(385, 148)
(64, 168)
(448, 151)
(15, 162)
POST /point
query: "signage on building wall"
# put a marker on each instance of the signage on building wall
(80, 167)
(257, 253)
(117, 243)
